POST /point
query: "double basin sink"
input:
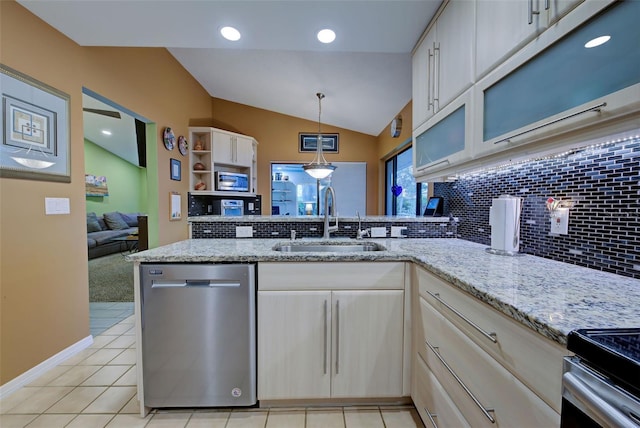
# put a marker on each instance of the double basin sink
(328, 247)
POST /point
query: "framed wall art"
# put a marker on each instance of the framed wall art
(35, 125)
(309, 142)
(175, 206)
(176, 169)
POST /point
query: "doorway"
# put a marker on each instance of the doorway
(116, 154)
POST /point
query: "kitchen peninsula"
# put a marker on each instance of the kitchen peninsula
(539, 300)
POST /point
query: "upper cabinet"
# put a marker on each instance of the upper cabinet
(538, 86)
(215, 150)
(232, 149)
(503, 27)
(565, 86)
(443, 60)
(445, 139)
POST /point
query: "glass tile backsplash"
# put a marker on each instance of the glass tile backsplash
(603, 186)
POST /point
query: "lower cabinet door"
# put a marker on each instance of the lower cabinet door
(435, 407)
(294, 344)
(367, 343)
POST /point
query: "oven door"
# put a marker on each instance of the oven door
(590, 399)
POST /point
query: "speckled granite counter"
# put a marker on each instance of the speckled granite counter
(549, 297)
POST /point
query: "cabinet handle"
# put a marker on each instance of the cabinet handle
(436, 77)
(532, 12)
(325, 337)
(484, 410)
(337, 336)
(595, 108)
(429, 79)
(490, 336)
(547, 4)
(432, 165)
(431, 416)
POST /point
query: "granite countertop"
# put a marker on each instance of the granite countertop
(549, 297)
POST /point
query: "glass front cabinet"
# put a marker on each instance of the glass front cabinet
(560, 85)
(445, 139)
(558, 91)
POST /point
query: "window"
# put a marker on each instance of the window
(403, 196)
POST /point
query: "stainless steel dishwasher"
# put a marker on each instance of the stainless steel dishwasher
(198, 334)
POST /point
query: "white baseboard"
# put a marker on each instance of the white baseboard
(37, 371)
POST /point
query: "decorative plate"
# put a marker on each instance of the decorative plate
(183, 146)
(169, 139)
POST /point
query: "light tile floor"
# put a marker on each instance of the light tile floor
(104, 315)
(97, 388)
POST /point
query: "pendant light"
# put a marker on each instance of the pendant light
(319, 168)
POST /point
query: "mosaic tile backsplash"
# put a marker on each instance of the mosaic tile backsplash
(603, 186)
(312, 229)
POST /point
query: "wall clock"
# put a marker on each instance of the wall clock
(396, 127)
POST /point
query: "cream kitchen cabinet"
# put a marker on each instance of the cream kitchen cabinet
(552, 98)
(232, 149)
(511, 375)
(503, 27)
(445, 139)
(443, 60)
(319, 339)
(217, 150)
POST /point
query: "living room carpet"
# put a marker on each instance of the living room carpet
(110, 279)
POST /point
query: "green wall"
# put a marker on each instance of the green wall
(127, 183)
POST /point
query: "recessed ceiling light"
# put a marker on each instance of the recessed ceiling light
(597, 41)
(106, 132)
(326, 35)
(230, 33)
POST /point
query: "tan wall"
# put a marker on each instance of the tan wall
(277, 135)
(43, 259)
(388, 144)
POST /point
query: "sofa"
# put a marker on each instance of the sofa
(102, 229)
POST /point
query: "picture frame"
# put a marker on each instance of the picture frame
(35, 129)
(175, 206)
(308, 142)
(176, 169)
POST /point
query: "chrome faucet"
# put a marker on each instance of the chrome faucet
(328, 229)
(361, 233)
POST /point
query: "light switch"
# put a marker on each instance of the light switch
(56, 206)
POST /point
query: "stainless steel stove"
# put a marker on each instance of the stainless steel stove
(601, 383)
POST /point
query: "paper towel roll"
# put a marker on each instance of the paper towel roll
(504, 219)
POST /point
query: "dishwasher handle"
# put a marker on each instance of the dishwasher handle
(194, 283)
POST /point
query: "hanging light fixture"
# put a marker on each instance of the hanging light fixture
(319, 168)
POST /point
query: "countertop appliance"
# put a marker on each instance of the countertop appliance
(228, 207)
(232, 181)
(198, 334)
(601, 382)
(504, 218)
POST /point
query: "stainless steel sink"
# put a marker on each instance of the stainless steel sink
(332, 247)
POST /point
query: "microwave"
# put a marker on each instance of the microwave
(232, 181)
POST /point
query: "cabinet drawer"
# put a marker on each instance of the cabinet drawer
(331, 276)
(535, 360)
(501, 395)
(431, 400)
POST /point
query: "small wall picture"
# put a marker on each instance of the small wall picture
(96, 185)
(175, 206)
(309, 142)
(176, 170)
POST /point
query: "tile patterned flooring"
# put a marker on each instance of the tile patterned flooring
(97, 388)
